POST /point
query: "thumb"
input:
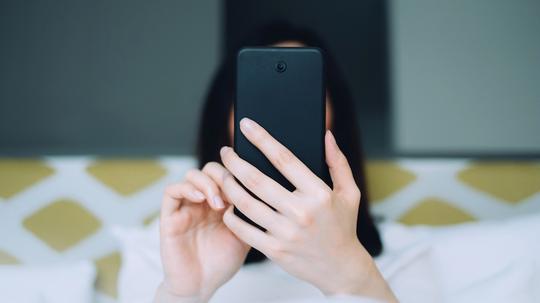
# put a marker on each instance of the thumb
(340, 171)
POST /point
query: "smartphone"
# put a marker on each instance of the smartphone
(282, 89)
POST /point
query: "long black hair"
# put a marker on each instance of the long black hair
(214, 122)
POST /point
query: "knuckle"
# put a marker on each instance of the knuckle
(210, 189)
(292, 235)
(276, 251)
(229, 187)
(244, 204)
(209, 167)
(356, 194)
(228, 219)
(305, 219)
(171, 229)
(226, 158)
(171, 189)
(324, 196)
(191, 173)
(227, 178)
(283, 158)
(253, 180)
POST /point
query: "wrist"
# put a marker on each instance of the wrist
(358, 275)
(165, 294)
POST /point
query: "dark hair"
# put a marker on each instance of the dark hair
(213, 128)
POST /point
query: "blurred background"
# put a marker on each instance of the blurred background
(433, 78)
(99, 110)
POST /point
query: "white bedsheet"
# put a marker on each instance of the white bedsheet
(493, 261)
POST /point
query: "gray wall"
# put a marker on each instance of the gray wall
(127, 77)
(104, 76)
(466, 76)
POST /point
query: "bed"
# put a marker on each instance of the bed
(83, 229)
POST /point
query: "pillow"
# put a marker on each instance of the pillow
(59, 283)
(495, 260)
(141, 271)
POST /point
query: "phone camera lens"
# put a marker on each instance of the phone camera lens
(281, 66)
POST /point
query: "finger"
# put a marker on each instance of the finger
(175, 193)
(215, 171)
(246, 232)
(340, 171)
(258, 183)
(205, 184)
(283, 159)
(254, 209)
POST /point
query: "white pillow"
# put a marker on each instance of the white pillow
(141, 271)
(59, 283)
(492, 261)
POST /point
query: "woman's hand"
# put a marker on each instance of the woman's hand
(199, 253)
(312, 232)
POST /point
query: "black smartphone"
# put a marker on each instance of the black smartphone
(282, 89)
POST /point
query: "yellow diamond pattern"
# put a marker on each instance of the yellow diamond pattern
(6, 258)
(107, 277)
(126, 176)
(385, 178)
(511, 182)
(150, 218)
(435, 211)
(18, 174)
(62, 224)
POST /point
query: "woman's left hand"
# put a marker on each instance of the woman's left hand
(312, 231)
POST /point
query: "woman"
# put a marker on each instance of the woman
(321, 233)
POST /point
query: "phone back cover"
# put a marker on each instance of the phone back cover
(290, 105)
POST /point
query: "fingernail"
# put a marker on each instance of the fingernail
(247, 125)
(197, 195)
(218, 203)
(223, 151)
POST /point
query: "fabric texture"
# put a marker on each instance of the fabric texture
(498, 259)
(59, 283)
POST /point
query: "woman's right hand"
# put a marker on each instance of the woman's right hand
(198, 252)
